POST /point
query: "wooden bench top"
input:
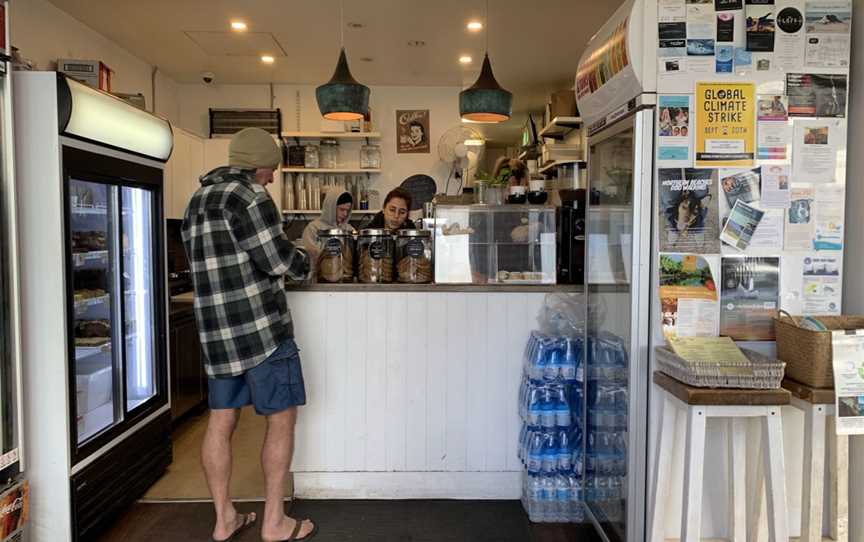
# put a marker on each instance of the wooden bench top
(816, 396)
(720, 396)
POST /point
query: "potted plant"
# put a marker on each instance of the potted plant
(496, 192)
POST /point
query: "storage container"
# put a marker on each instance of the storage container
(336, 261)
(414, 256)
(329, 153)
(375, 250)
(312, 157)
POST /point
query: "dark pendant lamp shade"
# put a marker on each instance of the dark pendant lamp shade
(343, 98)
(486, 101)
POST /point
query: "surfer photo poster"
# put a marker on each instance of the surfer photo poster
(725, 124)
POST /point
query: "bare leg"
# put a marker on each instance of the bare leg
(276, 461)
(216, 458)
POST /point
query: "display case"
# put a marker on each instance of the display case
(494, 244)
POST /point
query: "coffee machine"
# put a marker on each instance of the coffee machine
(571, 237)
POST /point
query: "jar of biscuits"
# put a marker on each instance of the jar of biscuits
(375, 250)
(414, 256)
(336, 261)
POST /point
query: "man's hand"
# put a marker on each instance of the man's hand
(300, 267)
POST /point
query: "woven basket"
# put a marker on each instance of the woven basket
(759, 372)
(808, 354)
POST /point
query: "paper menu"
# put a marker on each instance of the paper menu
(707, 349)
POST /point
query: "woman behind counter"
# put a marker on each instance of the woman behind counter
(394, 214)
(335, 214)
(517, 170)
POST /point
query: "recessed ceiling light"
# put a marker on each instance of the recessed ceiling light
(366, 59)
(238, 26)
(416, 43)
(267, 59)
(465, 59)
(356, 26)
(475, 26)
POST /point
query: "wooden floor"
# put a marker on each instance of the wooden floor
(359, 521)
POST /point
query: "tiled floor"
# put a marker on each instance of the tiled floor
(359, 521)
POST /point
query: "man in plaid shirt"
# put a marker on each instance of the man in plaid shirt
(238, 255)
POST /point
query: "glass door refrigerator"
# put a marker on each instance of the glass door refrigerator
(94, 302)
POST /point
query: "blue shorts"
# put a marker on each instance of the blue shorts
(276, 384)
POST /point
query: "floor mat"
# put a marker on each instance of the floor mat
(358, 521)
(185, 481)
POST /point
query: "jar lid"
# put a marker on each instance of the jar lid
(335, 232)
(415, 233)
(374, 232)
(329, 141)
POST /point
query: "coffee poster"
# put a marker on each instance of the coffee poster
(412, 129)
(725, 124)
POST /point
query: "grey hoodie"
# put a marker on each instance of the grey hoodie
(326, 222)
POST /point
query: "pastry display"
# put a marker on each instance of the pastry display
(88, 241)
(85, 293)
(375, 265)
(92, 328)
(415, 269)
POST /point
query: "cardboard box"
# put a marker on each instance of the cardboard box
(563, 104)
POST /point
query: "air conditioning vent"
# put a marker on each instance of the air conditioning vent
(226, 122)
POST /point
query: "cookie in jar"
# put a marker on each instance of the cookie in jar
(375, 250)
(414, 256)
(336, 260)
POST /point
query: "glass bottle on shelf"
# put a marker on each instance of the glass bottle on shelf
(312, 157)
(329, 153)
(370, 157)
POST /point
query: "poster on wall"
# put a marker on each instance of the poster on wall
(800, 221)
(749, 297)
(671, 11)
(822, 286)
(14, 511)
(688, 296)
(741, 225)
(848, 362)
(774, 133)
(728, 5)
(725, 124)
(775, 186)
(741, 185)
(815, 147)
(816, 95)
(829, 25)
(726, 27)
(674, 131)
(789, 44)
(830, 207)
(412, 129)
(689, 211)
(760, 25)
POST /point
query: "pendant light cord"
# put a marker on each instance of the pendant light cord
(487, 27)
(342, 24)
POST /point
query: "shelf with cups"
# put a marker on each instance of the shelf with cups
(332, 135)
(333, 171)
(559, 127)
(549, 166)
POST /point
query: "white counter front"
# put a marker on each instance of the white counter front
(410, 394)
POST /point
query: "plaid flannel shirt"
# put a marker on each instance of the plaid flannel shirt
(238, 254)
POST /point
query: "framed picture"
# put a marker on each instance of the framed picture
(412, 131)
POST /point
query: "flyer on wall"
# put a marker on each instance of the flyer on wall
(749, 297)
(789, 44)
(815, 146)
(740, 184)
(822, 285)
(725, 124)
(774, 140)
(775, 187)
(673, 131)
(688, 296)
(741, 225)
(689, 210)
(816, 95)
(800, 223)
(829, 25)
(830, 206)
(743, 60)
(848, 362)
(769, 234)
(726, 27)
(728, 5)
(760, 25)
(671, 11)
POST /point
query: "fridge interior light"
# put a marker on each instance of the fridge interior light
(102, 118)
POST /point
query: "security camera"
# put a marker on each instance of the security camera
(208, 78)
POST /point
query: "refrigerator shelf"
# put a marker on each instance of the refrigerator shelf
(89, 260)
(89, 209)
(84, 304)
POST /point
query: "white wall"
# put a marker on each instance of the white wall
(442, 102)
(44, 33)
(853, 285)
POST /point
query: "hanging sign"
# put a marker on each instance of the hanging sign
(725, 124)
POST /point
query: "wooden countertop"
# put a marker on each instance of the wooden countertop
(432, 288)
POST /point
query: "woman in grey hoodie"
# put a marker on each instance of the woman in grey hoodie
(335, 214)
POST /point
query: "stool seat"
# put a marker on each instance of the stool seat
(815, 396)
(721, 396)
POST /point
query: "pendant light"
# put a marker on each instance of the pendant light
(485, 100)
(343, 98)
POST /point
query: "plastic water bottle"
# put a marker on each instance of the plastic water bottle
(535, 405)
(563, 417)
(523, 436)
(548, 499)
(534, 496)
(548, 412)
(565, 451)
(536, 365)
(554, 360)
(570, 359)
(535, 453)
(563, 496)
(549, 461)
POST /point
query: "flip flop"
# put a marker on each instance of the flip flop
(248, 521)
(299, 525)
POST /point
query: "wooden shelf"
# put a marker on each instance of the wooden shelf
(332, 135)
(560, 127)
(326, 170)
(553, 164)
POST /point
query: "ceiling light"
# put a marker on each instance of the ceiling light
(475, 26)
(267, 59)
(485, 100)
(416, 43)
(465, 59)
(342, 98)
(356, 26)
(238, 26)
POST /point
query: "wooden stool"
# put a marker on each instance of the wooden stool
(738, 406)
(818, 407)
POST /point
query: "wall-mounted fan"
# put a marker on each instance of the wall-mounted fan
(461, 147)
